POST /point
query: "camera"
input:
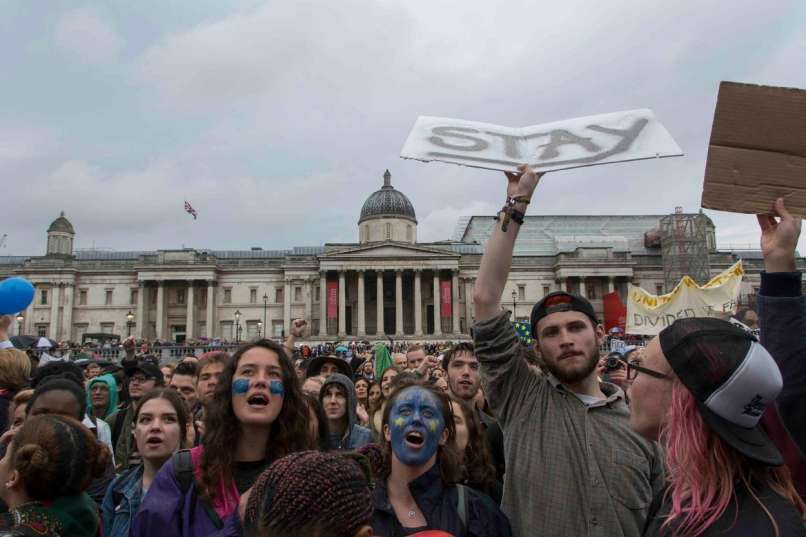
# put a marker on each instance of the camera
(613, 362)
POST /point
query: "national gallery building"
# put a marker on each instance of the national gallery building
(385, 285)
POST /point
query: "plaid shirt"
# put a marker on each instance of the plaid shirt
(573, 470)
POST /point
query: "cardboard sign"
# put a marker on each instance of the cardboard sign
(757, 151)
(573, 143)
(648, 314)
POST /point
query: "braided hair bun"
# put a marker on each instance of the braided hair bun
(311, 493)
(56, 456)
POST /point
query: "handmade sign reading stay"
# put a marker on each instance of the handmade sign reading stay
(585, 141)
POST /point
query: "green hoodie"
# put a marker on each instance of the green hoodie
(110, 382)
(76, 516)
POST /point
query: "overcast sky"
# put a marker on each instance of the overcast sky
(277, 119)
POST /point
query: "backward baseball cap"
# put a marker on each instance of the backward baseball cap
(560, 301)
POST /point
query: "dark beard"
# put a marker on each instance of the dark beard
(572, 377)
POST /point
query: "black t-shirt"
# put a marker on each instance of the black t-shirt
(246, 473)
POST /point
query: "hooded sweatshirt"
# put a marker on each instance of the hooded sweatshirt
(109, 380)
(355, 435)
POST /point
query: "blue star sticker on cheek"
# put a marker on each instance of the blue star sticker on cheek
(416, 422)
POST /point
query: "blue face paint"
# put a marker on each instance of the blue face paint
(240, 386)
(416, 410)
(276, 388)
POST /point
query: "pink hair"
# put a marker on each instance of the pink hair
(701, 470)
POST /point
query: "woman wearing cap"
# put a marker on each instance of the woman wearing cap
(257, 415)
(700, 389)
(418, 469)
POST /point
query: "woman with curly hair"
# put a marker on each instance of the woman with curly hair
(49, 464)
(419, 469)
(256, 416)
(477, 467)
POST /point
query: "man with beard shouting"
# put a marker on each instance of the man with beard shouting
(575, 467)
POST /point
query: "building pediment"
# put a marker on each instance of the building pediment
(386, 250)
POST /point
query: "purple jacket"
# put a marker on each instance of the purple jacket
(166, 511)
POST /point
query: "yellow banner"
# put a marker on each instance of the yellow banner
(648, 314)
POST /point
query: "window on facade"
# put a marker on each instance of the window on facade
(388, 232)
(43, 297)
(226, 330)
(297, 294)
(253, 296)
(203, 300)
(658, 289)
(315, 326)
(108, 298)
(42, 330)
(82, 297)
(107, 328)
(277, 328)
(227, 296)
(546, 289)
(409, 234)
(79, 330)
(251, 329)
(133, 297)
(317, 295)
(593, 290)
(180, 296)
(278, 295)
(521, 292)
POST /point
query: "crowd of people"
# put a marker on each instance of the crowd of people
(699, 433)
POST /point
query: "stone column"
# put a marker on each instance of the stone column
(437, 317)
(398, 302)
(342, 304)
(53, 332)
(308, 290)
(418, 303)
(190, 324)
(212, 330)
(379, 303)
(67, 325)
(468, 303)
(287, 308)
(28, 323)
(139, 315)
(610, 284)
(564, 285)
(455, 300)
(160, 309)
(323, 303)
(362, 322)
(583, 291)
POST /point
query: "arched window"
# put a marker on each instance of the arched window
(388, 231)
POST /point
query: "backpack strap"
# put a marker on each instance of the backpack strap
(461, 506)
(183, 468)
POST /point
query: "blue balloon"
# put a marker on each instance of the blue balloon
(16, 294)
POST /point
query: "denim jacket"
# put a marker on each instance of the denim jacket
(121, 502)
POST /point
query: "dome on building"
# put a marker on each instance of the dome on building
(387, 203)
(61, 225)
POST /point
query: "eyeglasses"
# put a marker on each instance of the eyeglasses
(633, 369)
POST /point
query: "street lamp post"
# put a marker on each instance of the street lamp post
(265, 307)
(514, 305)
(237, 326)
(259, 329)
(129, 321)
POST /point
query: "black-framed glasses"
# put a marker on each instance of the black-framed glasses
(633, 369)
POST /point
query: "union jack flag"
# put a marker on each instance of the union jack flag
(189, 209)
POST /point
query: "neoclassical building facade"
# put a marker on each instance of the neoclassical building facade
(386, 285)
